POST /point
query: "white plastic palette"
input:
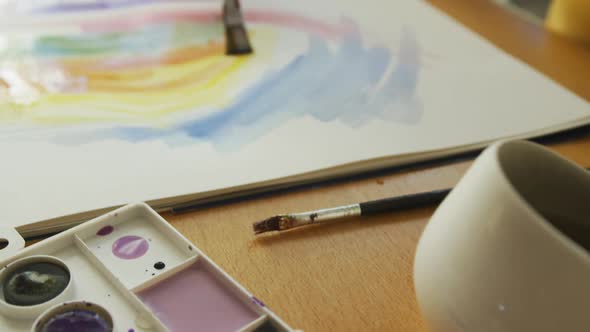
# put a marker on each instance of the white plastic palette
(146, 275)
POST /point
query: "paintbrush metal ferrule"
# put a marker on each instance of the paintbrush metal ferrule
(294, 220)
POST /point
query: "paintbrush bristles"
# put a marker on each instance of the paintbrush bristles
(268, 225)
(289, 221)
(235, 31)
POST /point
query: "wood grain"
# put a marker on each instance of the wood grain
(357, 276)
(353, 276)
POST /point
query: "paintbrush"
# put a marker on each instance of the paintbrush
(236, 36)
(289, 221)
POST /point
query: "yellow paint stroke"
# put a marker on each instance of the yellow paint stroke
(149, 91)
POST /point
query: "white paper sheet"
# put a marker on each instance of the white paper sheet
(104, 106)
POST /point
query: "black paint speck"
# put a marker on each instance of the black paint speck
(153, 274)
(190, 247)
(159, 266)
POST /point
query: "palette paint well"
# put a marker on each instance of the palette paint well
(195, 300)
(130, 247)
(77, 320)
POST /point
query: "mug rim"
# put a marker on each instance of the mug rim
(540, 219)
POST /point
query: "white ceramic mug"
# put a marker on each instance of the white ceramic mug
(509, 248)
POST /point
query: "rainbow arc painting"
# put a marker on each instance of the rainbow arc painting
(164, 76)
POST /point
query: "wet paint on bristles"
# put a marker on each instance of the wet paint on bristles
(235, 31)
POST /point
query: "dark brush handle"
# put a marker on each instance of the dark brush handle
(403, 202)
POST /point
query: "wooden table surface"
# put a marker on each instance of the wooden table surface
(357, 276)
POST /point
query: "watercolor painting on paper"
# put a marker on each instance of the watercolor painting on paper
(165, 77)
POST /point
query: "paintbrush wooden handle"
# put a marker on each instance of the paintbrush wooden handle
(403, 202)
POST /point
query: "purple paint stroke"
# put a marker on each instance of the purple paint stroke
(75, 6)
(130, 247)
(106, 230)
(257, 301)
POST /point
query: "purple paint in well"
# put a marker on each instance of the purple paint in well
(195, 300)
(77, 320)
(106, 230)
(130, 247)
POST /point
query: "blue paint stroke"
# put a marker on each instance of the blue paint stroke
(345, 85)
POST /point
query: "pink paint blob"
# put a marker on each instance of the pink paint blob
(195, 300)
(106, 230)
(130, 247)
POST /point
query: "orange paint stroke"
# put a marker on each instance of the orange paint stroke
(194, 53)
(79, 66)
(190, 78)
(105, 74)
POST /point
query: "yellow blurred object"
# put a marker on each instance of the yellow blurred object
(570, 18)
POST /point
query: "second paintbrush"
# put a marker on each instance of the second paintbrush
(293, 220)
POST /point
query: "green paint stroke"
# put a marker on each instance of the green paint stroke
(153, 39)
